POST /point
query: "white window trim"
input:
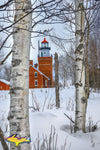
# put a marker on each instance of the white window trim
(34, 74)
(37, 82)
(45, 82)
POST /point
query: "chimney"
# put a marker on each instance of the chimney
(36, 65)
(31, 62)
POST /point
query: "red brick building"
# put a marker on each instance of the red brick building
(40, 75)
(4, 85)
(36, 78)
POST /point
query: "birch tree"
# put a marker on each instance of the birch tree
(1, 58)
(80, 113)
(57, 81)
(19, 95)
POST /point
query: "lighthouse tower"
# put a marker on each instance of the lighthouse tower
(45, 60)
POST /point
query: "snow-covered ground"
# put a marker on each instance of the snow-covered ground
(44, 118)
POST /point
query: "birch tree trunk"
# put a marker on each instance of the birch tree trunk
(87, 64)
(57, 81)
(80, 114)
(19, 89)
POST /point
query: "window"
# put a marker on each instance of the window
(36, 82)
(44, 45)
(41, 54)
(35, 74)
(45, 82)
(45, 53)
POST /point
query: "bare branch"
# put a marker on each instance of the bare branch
(3, 142)
(5, 58)
(6, 4)
(69, 118)
(5, 41)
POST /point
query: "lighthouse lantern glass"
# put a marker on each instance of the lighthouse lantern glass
(44, 45)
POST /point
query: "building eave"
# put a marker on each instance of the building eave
(5, 81)
(40, 72)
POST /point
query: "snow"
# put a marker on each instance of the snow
(49, 117)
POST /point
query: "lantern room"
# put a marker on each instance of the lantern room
(44, 49)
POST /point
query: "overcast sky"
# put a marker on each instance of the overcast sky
(58, 29)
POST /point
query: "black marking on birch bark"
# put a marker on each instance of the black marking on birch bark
(78, 84)
(18, 127)
(10, 115)
(13, 90)
(16, 62)
(79, 59)
(77, 112)
(79, 48)
(80, 6)
(15, 17)
(18, 74)
(80, 117)
(81, 38)
(27, 7)
(16, 30)
(79, 32)
(83, 99)
(18, 88)
(19, 118)
(76, 128)
(78, 69)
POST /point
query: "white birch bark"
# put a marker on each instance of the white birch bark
(80, 113)
(19, 89)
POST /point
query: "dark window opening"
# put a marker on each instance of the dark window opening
(35, 74)
(36, 82)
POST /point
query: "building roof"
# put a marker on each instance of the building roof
(40, 72)
(44, 41)
(5, 81)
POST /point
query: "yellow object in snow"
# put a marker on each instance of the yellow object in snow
(17, 140)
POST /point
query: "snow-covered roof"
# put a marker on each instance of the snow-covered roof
(5, 81)
(40, 72)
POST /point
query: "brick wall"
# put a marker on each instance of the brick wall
(40, 79)
(45, 66)
(4, 86)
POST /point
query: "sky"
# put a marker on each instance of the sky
(58, 29)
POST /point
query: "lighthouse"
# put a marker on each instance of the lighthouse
(45, 60)
(44, 50)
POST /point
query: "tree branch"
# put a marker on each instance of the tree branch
(3, 142)
(6, 4)
(30, 11)
(5, 58)
(69, 118)
(5, 41)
